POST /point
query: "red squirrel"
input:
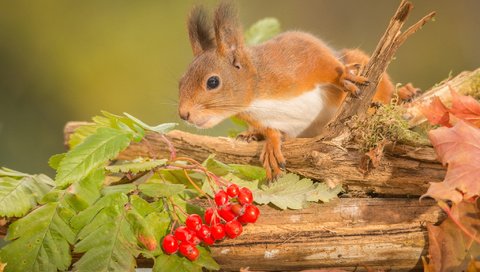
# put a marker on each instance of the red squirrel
(291, 85)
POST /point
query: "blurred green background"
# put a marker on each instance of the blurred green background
(67, 60)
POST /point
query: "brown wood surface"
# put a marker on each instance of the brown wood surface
(404, 171)
(346, 233)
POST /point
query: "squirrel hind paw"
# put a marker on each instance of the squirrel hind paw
(407, 92)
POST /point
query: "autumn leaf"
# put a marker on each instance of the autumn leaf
(459, 148)
(450, 249)
(437, 113)
(465, 108)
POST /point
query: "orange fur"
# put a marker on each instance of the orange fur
(286, 70)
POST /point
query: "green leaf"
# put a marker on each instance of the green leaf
(323, 193)
(80, 195)
(291, 192)
(169, 263)
(122, 188)
(249, 172)
(86, 216)
(95, 151)
(40, 241)
(108, 242)
(205, 260)
(19, 192)
(80, 133)
(161, 189)
(55, 160)
(136, 166)
(217, 167)
(141, 205)
(162, 128)
(159, 222)
(262, 31)
(142, 230)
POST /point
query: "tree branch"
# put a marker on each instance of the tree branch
(392, 39)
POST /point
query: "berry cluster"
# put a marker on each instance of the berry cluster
(233, 208)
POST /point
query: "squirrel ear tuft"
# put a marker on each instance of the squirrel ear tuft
(228, 33)
(200, 31)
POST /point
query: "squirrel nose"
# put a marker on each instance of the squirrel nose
(184, 115)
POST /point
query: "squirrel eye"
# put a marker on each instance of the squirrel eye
(213, 82)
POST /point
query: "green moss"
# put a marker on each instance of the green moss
(472, 86)
(386, 124)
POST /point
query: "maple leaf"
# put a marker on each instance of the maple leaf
(465, 108)
(437, 113)
(450, 249)
(459, 148)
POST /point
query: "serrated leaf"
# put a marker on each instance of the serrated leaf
(249, 172)
(40, 241)
(162, 128)
(122, 188)
(141, 205)
(159, 222)
(168, 263)
(80, 195)
(80, 133)
(92, 153)
(108, 242)
(161, 189)
(20, 193)
(54, 161)
(135, 166)
(205, 260)
(86, 216)
(291, 192)
(217, 167)
(323, 193)
(262, 31)
(142, 230)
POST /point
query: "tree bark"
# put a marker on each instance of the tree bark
(345, 234)
(404, 170)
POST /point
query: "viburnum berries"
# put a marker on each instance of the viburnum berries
(233, 207)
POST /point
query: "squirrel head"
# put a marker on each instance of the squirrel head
(219, 81)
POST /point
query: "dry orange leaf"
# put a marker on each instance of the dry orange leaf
(449, 248)
(465, 108)
(437, 113)
(459, 148)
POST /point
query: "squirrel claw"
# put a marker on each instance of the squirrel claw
(272, 158)
(249, 136)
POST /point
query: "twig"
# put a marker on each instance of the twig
(378, 63)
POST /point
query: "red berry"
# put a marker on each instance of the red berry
(250, 215)
(194, 222)
(210, 217)
(218, 231)
(203, 232)
(195, 240)
(170, 244)
(245, 196)
(237, 209)
(209, 241)
(182, 234)
(226, 213)
(221, 198)
(189, 251)
(233, 229)
(232, 190)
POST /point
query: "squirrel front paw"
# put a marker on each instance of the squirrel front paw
(272, 157)
(351, 77)
(250, 136)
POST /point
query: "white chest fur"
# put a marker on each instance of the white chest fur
(291, 116)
